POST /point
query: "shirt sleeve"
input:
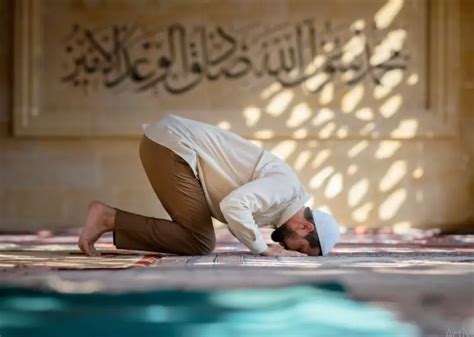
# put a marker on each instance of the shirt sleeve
(258, 195)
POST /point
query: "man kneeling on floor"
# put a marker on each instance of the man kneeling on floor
(199, 171)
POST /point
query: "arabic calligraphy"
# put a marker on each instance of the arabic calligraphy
(176, 58)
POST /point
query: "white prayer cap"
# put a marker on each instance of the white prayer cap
(327, 229)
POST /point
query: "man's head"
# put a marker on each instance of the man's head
(311, 232)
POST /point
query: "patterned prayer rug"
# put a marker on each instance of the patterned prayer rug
(61, 252)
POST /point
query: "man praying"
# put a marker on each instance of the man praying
(199, 171)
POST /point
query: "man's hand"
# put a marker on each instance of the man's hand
(275, 250)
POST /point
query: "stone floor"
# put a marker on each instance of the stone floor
(426, 279)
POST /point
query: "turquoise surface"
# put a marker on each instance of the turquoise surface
(302, 310)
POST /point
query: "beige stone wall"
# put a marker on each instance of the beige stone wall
(70, 83)
(467, 87)
(47, 182)
(417, 181)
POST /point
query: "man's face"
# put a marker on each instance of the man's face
(293, 237)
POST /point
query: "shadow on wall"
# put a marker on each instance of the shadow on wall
(376, 171)
(352, 118)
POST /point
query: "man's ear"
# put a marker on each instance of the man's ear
(307, 226)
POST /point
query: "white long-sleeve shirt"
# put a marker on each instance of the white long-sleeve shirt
(245, 186)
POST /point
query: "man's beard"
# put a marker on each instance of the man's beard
(282, 233)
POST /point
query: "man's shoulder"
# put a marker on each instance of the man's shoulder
(270, 162)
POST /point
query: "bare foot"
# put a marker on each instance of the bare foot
(100, 219)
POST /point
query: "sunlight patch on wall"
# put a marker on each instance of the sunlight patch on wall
(388, 81)
(302, 160)
(361, 214)
(314, 65)
(329, 46)
(392, 204)
(365, 114)
(300, 133)
(316, 81)
(252, 115)
(393, 176)
(279, 103)
(357, 192)
(367, 129)
(358, 25)
(352, 169)
(334, 186)
(323, 116)
(407, 128)
(387, 148)
(413, 79)
(299, 115)
(327, 131)
(327, 94)
(317, 180)
(385, 15)
(270, 90)
(348, 75)
(353, 48)
(342, 132)
(357, 149)
(418, 173)
(224, 125)
(264, 134)
(393, 42)
(352, 98)
(320, 158)
(391, 106)
(284, 149)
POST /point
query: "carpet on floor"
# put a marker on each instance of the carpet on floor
(70, 260)
(60, 251)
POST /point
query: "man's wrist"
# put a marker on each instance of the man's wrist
(258, 246)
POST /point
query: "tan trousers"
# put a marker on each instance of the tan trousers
(191, 231)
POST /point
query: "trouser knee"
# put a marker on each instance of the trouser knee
(203, 246)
